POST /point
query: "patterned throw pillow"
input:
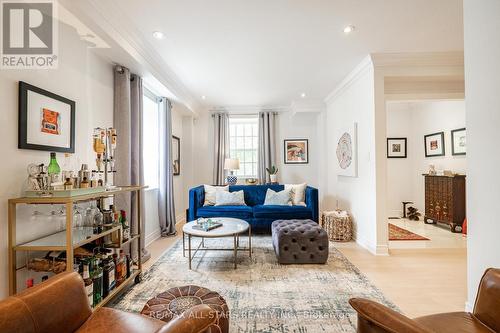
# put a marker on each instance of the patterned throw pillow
(223, 198)
(210, 192)
(282, 198)
(298, 193)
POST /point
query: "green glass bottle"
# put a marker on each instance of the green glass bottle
(97, 278)
(54, 170)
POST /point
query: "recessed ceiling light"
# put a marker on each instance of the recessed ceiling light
(203, 97)
(158, 35)
(303, 95)
(348, 29)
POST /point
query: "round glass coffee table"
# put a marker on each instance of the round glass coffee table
(231, 227)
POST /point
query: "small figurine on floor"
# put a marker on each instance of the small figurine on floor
(413, 214)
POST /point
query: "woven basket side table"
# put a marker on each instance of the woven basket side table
(338, 225)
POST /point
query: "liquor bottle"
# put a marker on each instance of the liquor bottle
(67, 170)
(68, 185)
(125, 226)
(109, 281)
(53, 169)
(93, 179)
(121, 268)
(84, 183)
(89, 283)
(97, 281)
(130, 264)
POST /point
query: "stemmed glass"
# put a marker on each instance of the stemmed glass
(77, 217)
(89, 215)
(60, 217)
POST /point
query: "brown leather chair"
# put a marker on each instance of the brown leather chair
(60, 305)
(377, 318)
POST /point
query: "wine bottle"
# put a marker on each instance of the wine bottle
(53, 169)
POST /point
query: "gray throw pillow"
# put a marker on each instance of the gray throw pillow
(223, 198)
(282, 198)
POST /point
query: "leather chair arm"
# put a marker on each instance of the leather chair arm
(198, 319)
(374, 317)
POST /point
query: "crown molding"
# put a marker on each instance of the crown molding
(307, 106)
(111, 20)
(248, 109)
(359, 71)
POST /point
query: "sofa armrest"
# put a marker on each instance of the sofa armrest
(196, 200)
(312, 202)
(198, 319)
(377, 318)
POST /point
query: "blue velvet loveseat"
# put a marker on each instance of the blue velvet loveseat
(255, 212)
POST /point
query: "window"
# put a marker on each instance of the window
(243, 144)
(151, 139)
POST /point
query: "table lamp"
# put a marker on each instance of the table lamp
(231, 164)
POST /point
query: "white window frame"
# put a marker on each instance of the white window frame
(254, 145)
(150, 95)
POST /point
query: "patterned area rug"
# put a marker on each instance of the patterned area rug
(263, 296)
(399, 234)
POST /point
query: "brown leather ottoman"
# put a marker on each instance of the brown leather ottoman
(172, 303)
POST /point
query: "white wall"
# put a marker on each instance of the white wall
(83, 77)
(289, 126)
(414, 120)
(353, 102)
(298, 126)
(482, 101)
(180, 124)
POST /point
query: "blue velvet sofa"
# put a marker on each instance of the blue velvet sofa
(259, 216)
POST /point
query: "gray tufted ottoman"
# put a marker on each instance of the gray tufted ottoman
(299, 242)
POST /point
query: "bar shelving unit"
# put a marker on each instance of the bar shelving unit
(72, 238)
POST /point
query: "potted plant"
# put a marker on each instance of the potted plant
(273, 173)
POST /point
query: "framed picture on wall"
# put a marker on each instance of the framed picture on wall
(347, 150)
(46, 120)
(296, 151)
(176, 157)
(459, 141)
(396, 147)
(434, 144)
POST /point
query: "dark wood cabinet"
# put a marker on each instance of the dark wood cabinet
(445, 200)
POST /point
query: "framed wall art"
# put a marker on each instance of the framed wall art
(46, 120)
(176, 157)
(347, 150)
(459, 142)
(296, 151)
(396, 148)
(434, 144)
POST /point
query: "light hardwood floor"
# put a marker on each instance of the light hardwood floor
(418, 281)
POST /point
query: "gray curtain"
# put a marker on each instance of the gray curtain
(221, 146)
(166, 207)
(127, 118)
(267, 144)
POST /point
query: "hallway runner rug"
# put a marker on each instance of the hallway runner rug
(263, 296)
(399, 234)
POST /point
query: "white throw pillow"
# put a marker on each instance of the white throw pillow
(210, 193)
(223, 198)
(298, 193)
(282, 198)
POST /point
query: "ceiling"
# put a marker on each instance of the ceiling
(268, 52)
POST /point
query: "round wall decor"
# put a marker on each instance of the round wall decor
(344, 151)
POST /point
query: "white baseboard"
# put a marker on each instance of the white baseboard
(181, 218)
(157, 233)
(153, 236)
(378, 250)
(469, 306)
